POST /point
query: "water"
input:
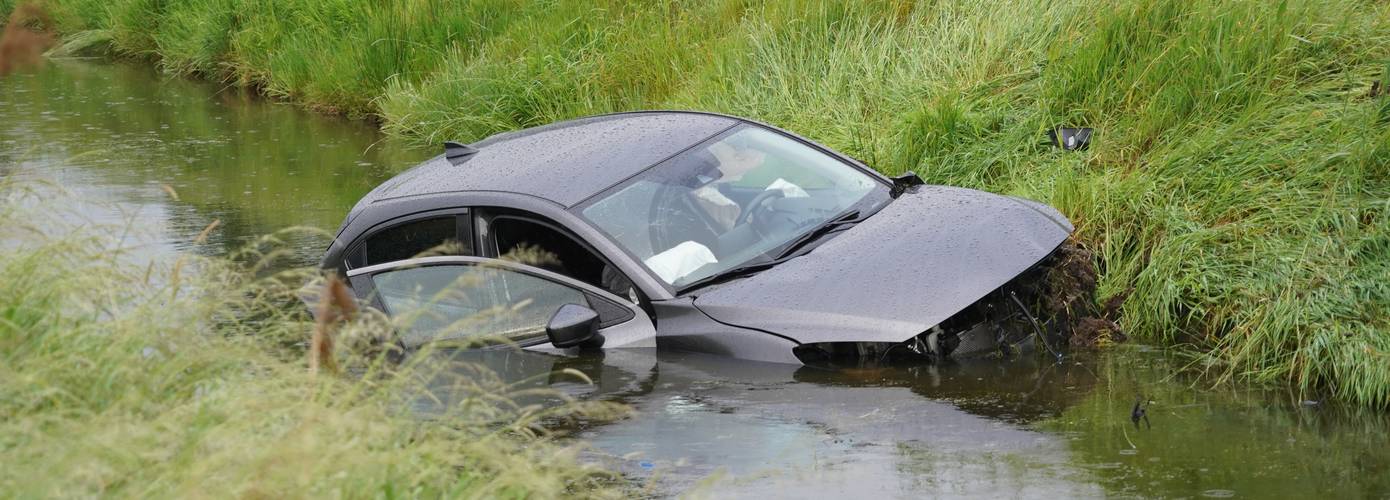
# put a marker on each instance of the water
(116, 134)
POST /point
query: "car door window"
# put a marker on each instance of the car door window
(471, 302)
(538, 244)
(412, 239)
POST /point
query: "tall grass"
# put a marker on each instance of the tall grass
(186, 379)
(1236, 194)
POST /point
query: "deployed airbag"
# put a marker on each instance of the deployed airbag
(680, 260)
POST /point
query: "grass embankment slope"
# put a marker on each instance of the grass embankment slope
(1237, 195)
(182, 379)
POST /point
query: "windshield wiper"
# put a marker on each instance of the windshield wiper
(827, 227)
(789, 252)
(736, 272)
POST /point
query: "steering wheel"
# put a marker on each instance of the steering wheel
(681, 220)
(757, 203)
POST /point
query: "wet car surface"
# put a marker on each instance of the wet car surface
(727, 236)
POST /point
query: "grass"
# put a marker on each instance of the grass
(186, 378)
(1237, 194)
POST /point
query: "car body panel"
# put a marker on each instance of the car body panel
(924, 257)
(576, 158)
(683, 327)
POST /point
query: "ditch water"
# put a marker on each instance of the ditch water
(115, 135)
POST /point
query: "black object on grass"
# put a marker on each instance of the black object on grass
(1070, 139)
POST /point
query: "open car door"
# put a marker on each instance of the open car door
(478, 301)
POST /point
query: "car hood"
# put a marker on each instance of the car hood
(926, 256)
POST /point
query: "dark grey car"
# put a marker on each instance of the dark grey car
(714, 233)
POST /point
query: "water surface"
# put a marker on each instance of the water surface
(115, 135)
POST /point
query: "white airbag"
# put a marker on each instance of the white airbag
(788, 189)
(680, 260)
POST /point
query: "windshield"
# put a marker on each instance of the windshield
(728, 202)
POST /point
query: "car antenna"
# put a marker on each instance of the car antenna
(457, 152)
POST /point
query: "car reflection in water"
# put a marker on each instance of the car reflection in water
(454, 375)
(786, 430)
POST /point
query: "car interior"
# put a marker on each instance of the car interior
(543, 246)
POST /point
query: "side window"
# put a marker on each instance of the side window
(456, 302)
(411, 239)
(535, 244)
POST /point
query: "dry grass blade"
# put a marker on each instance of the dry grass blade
(173, 195)
(207, 231)
(336, 305)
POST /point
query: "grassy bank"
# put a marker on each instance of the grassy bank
(182, 379)
(1237, 196)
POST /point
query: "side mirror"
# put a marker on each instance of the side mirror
(574, 325)
(904, 182)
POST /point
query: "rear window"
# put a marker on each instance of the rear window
(411, 239)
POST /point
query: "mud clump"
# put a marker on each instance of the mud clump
(1068, 296)
(1095, 332)
(27, 34)
(1071, 283)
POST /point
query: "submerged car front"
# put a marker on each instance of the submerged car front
(770, 234)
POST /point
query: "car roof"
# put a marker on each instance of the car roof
(564, 162)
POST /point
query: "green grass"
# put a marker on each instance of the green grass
(185, 379)
(1237, 194)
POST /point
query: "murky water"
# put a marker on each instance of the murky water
(115, 135)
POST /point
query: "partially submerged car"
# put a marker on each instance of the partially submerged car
(698, 232)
